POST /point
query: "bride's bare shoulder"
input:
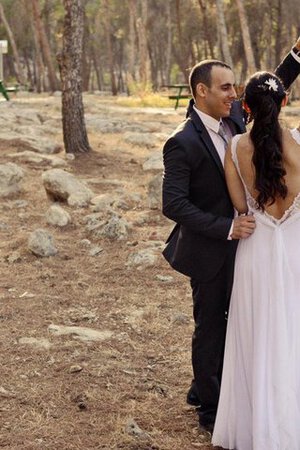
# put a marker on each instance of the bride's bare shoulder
(245, 142)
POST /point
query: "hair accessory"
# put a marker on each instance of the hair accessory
(273, 86)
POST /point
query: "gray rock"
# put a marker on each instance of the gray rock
(142, 258)
(133, 429)
(104, 125)
(95, 251)
(102, 202)
(155, 162)
(180, 319)
(63, 186)
(85, 242)
(32, 157)
(81, 333)
(11, 177)
(39, 343)
(57, 216)
(116, 229)
(14, 257)
(140, 139)
(165, 278)
(41, 243)
(155, 192)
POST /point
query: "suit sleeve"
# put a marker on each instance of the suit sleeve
(176, 203)
(288, 70)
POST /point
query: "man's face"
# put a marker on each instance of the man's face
(216, 100)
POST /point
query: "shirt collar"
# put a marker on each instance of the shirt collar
(208, 121)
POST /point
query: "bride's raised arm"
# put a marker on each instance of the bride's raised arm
(234, 184)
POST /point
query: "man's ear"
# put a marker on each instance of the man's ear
(285, 100)
(246, 107)
(201, 90)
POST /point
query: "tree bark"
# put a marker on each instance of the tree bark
(246, 37)
(169, 42)
(180, 53)
(70, 65)
(208, 41)
(278, 32)
(18, 69)
(144, 58)
(45, 46)
(107, 27)
(131, 40)
(223, 33)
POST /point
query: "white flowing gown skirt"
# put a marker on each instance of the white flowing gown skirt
(259, 407)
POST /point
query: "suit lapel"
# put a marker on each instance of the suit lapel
(205, 138)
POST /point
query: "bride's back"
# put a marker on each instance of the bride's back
(291, 164)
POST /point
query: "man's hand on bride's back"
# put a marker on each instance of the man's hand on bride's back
(243, 227)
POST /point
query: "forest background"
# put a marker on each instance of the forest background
(134, 46)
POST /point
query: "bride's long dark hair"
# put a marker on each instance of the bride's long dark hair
(264, 94)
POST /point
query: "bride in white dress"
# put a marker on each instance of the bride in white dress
(259, 406)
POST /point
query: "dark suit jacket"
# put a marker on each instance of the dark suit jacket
(195, 194)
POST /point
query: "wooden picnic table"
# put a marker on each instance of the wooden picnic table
(183, 92)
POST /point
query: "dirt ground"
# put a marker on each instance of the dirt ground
(124, 392)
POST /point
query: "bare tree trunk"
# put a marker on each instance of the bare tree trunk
(246, 37)
(97, 68)
(144, 59)
(180, 53)
(39, 69)
(131, 45)
(169, 43)
(107, 27)
(208, 41)
(70, 65)
(278, 33)
(44, 43)
(18, 69)
(223, 33)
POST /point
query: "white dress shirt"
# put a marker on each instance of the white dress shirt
(212, 126)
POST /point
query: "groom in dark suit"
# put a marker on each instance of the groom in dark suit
(203, 243)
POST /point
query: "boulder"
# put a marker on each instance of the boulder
(41, 243)
(11, 176)
(63, 186)
(57, 216)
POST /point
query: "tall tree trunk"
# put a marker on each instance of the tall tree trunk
(180, 53)
(278, 32)
(107, 27)
(39, 69)
(131, 40)
(223, 33)
(45, 46)
(208, 40)
(18, 69)
(144, 58)
(169, 42)
(70, 65)
(246, 37)
(97, 68)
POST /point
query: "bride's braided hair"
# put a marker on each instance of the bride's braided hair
(264, 93)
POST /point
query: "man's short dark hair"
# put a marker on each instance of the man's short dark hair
(201, 73)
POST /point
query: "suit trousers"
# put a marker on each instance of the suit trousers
(210, 308)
